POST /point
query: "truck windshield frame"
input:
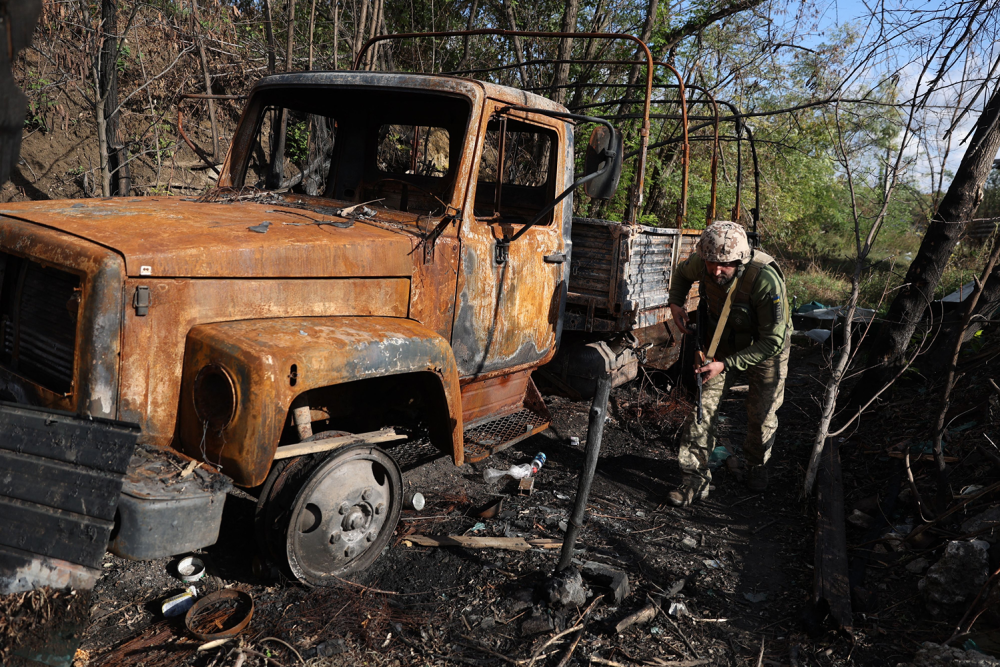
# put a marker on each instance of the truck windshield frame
(343, 143)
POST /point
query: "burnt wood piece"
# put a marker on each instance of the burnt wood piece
(832, 591)
(58, 496)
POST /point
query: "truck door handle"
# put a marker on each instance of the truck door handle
(557, 258)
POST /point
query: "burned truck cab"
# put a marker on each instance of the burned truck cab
(384, 262)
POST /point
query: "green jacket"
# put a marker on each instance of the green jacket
(757, 328)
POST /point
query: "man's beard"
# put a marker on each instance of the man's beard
(722, 280)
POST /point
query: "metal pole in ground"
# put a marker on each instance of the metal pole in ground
(595, 431)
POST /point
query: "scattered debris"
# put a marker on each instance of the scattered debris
(526, 486)
(983, 524)
(936, 655)
(178, 604)
(261, 228)
(608, 576)
(640, 617)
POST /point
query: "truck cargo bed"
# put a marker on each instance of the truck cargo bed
(620, 274)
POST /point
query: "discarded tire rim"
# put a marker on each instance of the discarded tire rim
(219, 615)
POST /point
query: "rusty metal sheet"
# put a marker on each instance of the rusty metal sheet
(258, 356)
(493, 397)
(58, 494)
(153, 345)
(169, 237)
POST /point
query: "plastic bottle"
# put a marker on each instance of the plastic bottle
(537, 464)
(491, 475)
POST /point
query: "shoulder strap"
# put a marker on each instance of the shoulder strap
(749, 277)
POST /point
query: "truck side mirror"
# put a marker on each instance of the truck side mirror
(605, 152)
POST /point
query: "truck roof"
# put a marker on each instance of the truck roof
(429, 82)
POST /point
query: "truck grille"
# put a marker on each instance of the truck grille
(38, 312)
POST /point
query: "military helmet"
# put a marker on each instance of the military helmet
(722, 242)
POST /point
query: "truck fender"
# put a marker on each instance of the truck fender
(240, 379)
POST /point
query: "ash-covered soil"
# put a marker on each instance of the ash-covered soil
(728, 581)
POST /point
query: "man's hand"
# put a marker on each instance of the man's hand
(680, 317)
(710, 370)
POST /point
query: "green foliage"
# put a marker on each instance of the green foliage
(297, 140)
(40, 101)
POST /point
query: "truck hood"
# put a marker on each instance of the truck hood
(168, 237)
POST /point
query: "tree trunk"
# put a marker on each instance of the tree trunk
(276, 174)
(565, 51)
(117, 162)
(269, 29)
(208, 80)
(473, 10)
(910, 304)
(312, 24)
(633, 75)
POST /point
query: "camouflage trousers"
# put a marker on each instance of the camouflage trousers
(767, 391)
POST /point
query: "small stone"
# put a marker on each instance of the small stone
(689, 543)
(540, 621)
(956, 578)
(859, 519)
(566, 589)
(917, 565)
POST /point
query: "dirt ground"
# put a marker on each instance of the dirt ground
(739, 565)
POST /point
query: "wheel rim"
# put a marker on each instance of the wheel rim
(344, 515)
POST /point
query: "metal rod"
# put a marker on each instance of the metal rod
(595, 431)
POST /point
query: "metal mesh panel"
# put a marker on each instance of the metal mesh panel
(410, 454)
(491, 437)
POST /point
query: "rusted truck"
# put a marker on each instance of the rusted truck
(388, 279)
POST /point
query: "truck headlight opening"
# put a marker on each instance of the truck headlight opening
(215, 397)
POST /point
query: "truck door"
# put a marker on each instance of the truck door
(507, 311)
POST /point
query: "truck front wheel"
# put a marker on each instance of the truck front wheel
(338, 519)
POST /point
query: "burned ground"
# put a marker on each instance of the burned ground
(740, 564)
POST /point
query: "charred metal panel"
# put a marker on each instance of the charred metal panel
(620, 274)
(153, 347)
(507, 314)
(169, 237)
(62, 476)
(95, 307)
(258, 356)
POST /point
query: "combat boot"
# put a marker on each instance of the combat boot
(757, 478)
(687, 493)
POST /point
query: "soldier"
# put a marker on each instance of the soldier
(754, 338)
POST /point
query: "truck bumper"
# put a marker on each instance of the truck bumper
(161, 513)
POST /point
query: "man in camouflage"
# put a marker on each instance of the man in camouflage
(755, 339)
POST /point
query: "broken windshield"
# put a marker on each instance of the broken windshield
(397, 149)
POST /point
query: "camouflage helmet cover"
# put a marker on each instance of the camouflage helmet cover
(724, 241)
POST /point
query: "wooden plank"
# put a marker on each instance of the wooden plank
(832, 588)
(329, 444)
(470, 541)
(59, 485)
